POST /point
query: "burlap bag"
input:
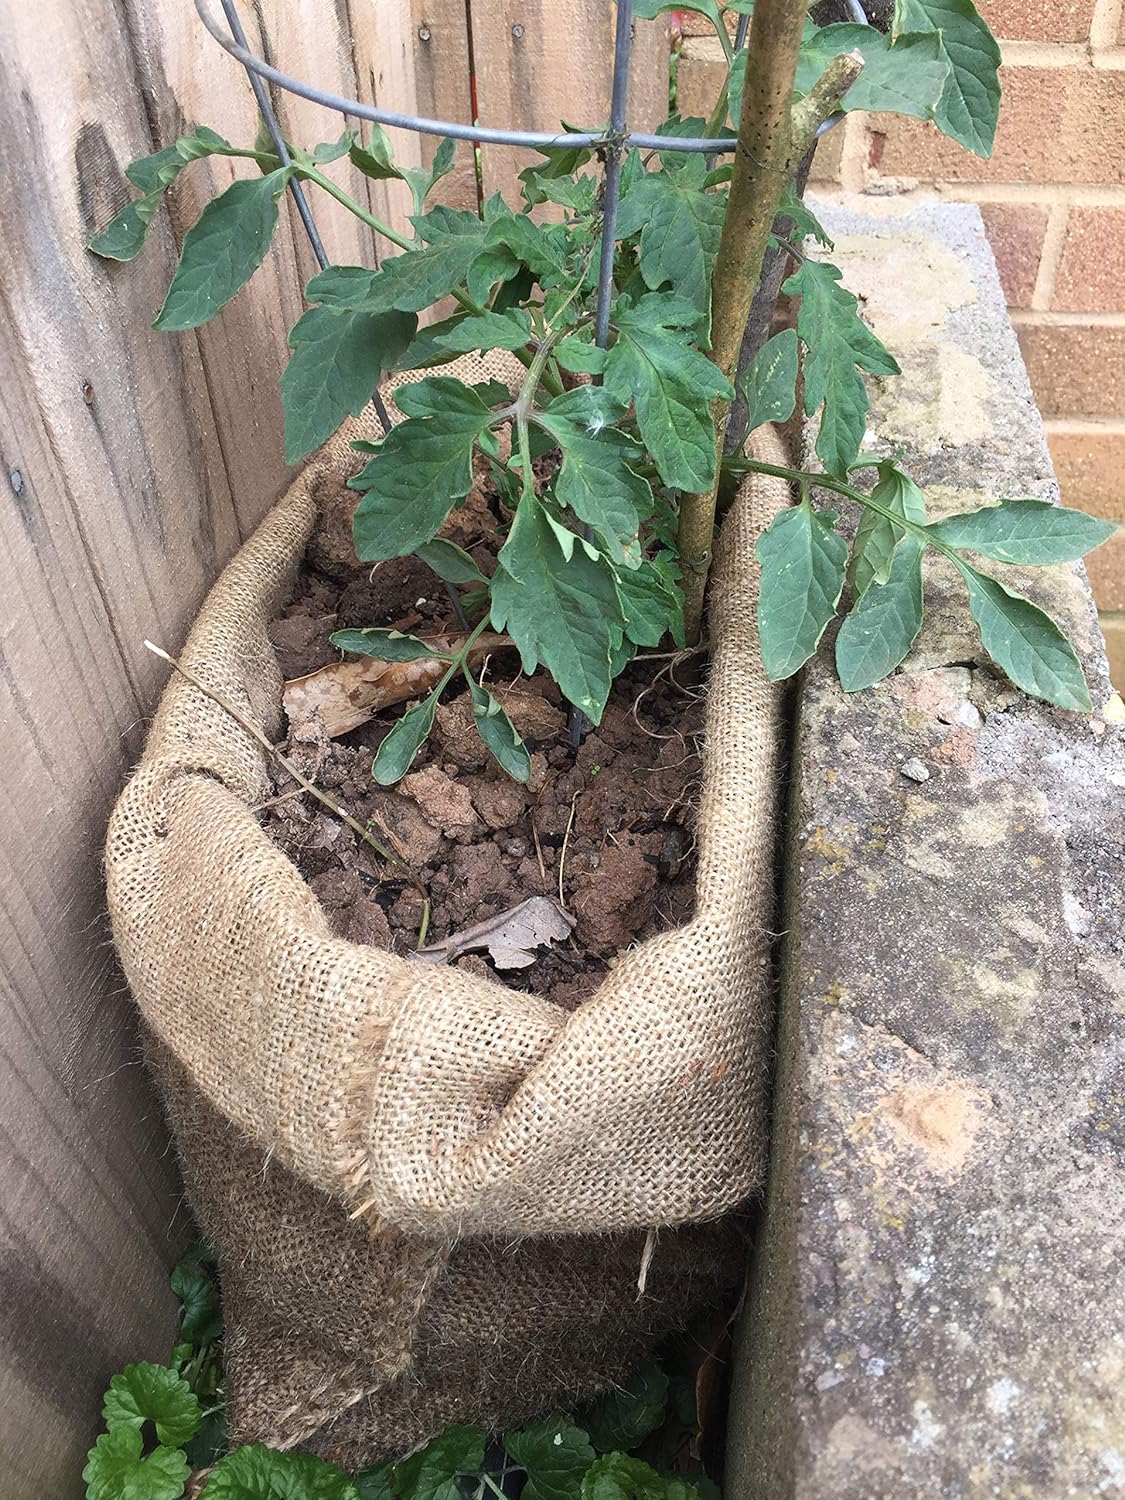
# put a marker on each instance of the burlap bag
(431, 1194)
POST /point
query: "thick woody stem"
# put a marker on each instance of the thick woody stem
(773, 136)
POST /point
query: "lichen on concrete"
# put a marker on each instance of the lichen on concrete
(938, 1302)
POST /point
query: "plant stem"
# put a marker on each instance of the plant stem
(313, 790)
(772, 138)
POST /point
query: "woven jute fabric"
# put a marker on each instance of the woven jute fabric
(431, 1196)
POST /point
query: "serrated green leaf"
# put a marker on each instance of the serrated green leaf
(653, 606)
(330, 151)
(617, 1477)
(376, 159)
(542, 248)
(803, 565)
(499, 734)
(423, 181)
(555, 1454)
(423, 466)
(1025, 531)
(1025, 642)
(679, 225)
(201, 1318)
(970, 102)
(906, 76)
(625, 1415)
(487, 330)
(256, 1472)
(580, 356)
(839, 345)
(556, 596)
(385, 645)
(211, 1441)
(376, 1483)
(395, 754)
(222, 250)
(115, 1469)
(203, 141)
(884, 622)
(805, 223)
(339, 356)
(342, 286)
(449, 562)
(413, 280)
(152, 1393)
(595, 480)
(769, 386)
(432, 1474)
(156, 172)
(671, 384)
(876, 537)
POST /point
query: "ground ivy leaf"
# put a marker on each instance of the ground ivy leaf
(884, 622)
(339, 356)
(499, 734)
(423, 466)
(906, 76)
(970, 102)
(384, 645)
(876, 537)
(222, 250)
(256, 1472)
(558, 601)
(595, 480)
(1025, 642)
(654, 365)
(839, 344)
(393, 758)
(450, 562)
(152, 1393)
(115, 1469)
(679, 225)
(201, 1318)
(803, 565)
(432, 1474)
(1025, 531)
(555, 1454)
(616, 1477)
(769, 386)
(625, 1415)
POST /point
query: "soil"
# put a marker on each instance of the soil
(613, 819)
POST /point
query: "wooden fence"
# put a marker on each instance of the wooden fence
(133, 465)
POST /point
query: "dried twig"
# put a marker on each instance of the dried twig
(328, 801)
(562, 851)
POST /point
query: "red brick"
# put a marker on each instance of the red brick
(1091, 274)
(1091, 470)
(1077, 370)
(1106, 568)
(1056, 125)
(1015, 232)
(1113, 628)
(1039, 20)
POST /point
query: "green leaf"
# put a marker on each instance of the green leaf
(648, 10)
(595, 480)
(769, 386)
(156, 172)
(423, 466)
(488, 330)
(330, 151)
(839, 345)
(339, 356)
(124, 235)
(201, 1318)
(907, 76)
(805, 223)
(616, 1477)
(542, 248)
(203, 141)
(803, 565)
(499, 734)
(625, 1415)
(556, 597)
(432, 1474)
(449, 562)
(211, 1441)
(376, 159)
(876, 538)
(1025, 531)
(343, 286)
(414, 280)
(970, 103)
(580, 356)
(385, 645)
(671, 384)
(115, 1469)
(555, 1454)
(152, 1393)
(376, 1483)
(679, 225)
(256, 1472)
(653, 605)
(884, 622)
(393, 758)
(422, 182)
(1025, 642)
(222, 250)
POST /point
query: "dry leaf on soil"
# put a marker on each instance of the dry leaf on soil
(510, 938)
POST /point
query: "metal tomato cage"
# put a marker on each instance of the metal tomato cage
(613, 142)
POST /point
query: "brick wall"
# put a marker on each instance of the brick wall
(1053, 201)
